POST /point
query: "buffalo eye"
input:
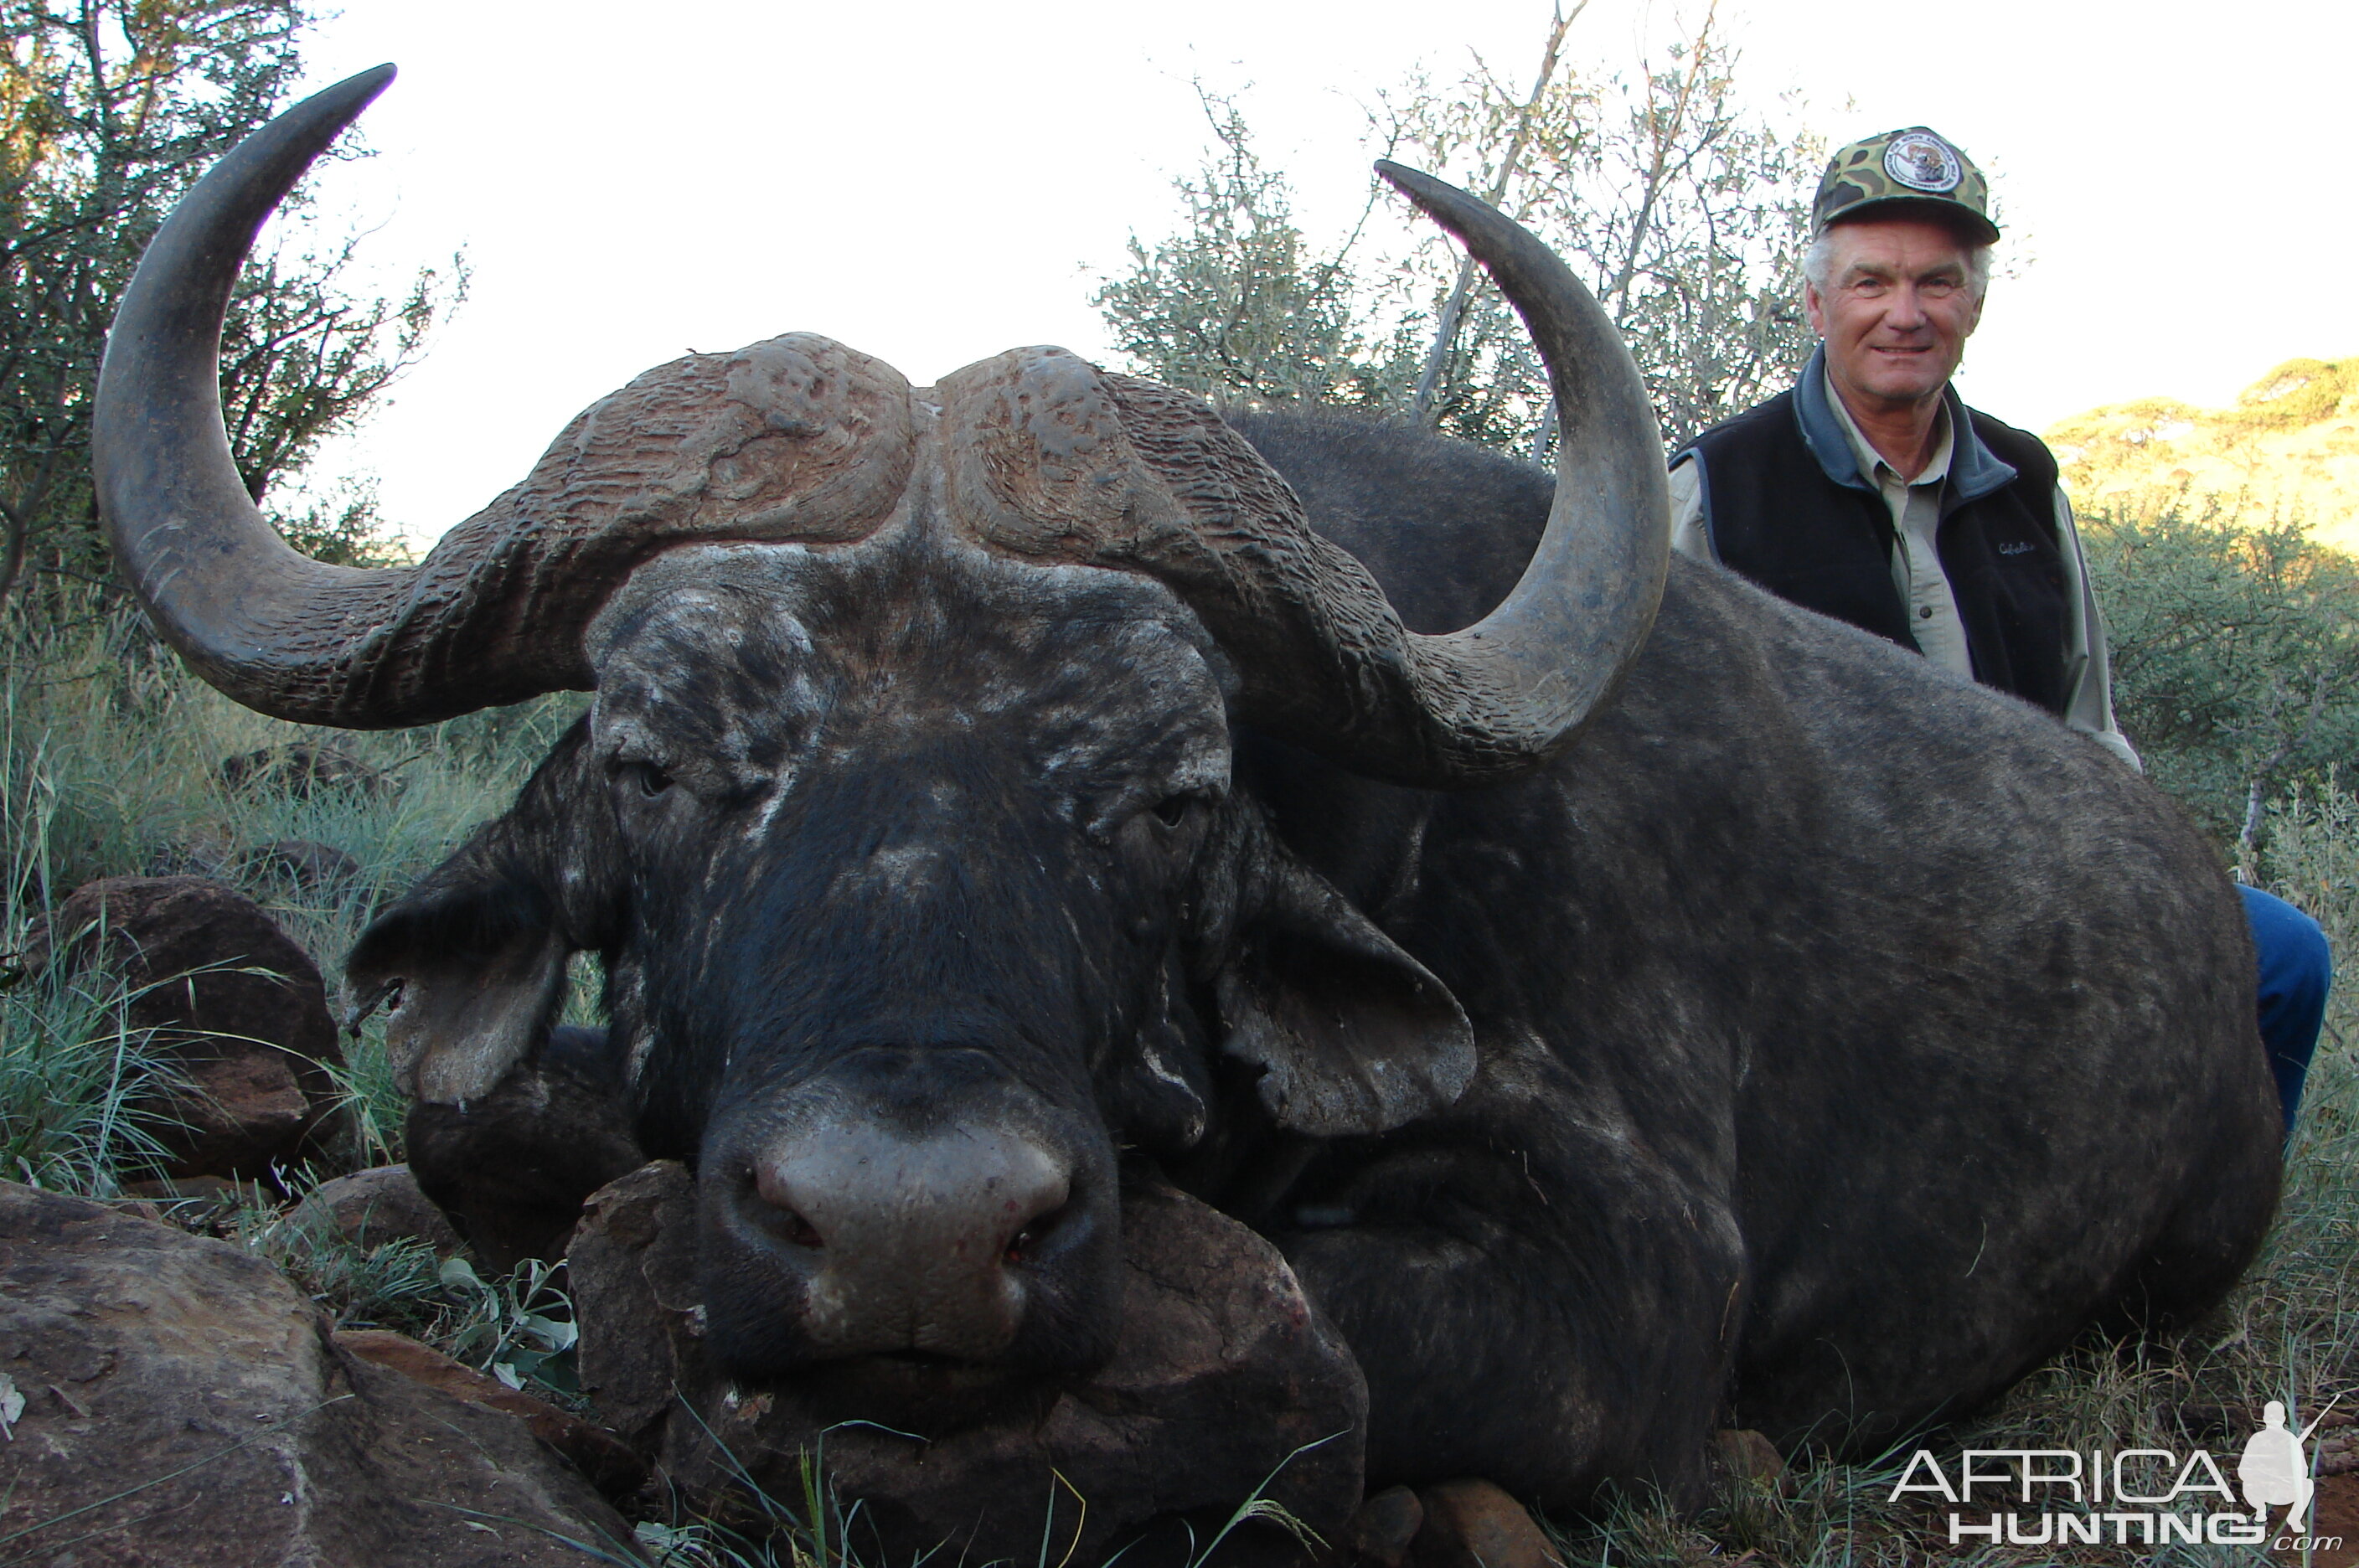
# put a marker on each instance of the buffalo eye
(647, 779)
(1172, 810)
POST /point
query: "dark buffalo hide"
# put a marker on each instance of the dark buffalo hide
(1647, 1008)
(1816, 1045)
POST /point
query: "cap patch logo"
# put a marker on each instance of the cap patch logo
(1923, 162)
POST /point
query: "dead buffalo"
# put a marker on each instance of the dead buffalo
(1646, 1008)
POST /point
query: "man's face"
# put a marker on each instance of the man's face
(1897, 311)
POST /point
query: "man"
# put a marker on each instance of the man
(1872, 494)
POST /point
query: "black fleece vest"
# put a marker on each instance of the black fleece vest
(1777, 516)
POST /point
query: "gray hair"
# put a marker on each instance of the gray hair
(1820, 259)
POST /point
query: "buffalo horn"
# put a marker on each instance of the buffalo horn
(1514, 689)
(1323, 658)
(279, 632)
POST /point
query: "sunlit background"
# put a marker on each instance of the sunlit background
(935, 182)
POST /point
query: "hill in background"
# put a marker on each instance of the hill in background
(2288, 449)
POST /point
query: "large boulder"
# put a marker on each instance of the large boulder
(171, 1401)
(1225, 1383)
(236, 1004)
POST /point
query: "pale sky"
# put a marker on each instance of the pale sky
(934, 182)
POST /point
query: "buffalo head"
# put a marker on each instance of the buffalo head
(903, 818)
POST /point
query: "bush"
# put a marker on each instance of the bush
(2235, 657)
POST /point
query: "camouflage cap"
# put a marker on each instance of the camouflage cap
(1887, 175)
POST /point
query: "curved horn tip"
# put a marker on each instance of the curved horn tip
(1456, 211)
(346, 99)
(373, 80)
(1415, 184)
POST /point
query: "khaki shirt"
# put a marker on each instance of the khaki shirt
(1916, 508)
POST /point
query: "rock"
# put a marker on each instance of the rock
(1222, 1371)
(1382, 1528)
(300, 865)
(301, 770)
(372, 1207)
(511, 1168)
(1473, 1524)
(184, 1405)
(631, 1271)
(1743, 1458)
(596, 1453)
(239, 1006)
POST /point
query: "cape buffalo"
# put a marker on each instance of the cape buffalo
(1650, 1007)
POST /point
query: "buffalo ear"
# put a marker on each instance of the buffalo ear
(476, 971)
(1356, 1036)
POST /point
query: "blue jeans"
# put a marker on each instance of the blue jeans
(2296, 970)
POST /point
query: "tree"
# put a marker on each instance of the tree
(113, 109)
(1235, 307)
(1686, 213)
(2235, 660)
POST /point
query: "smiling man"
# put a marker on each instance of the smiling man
(1872, 494)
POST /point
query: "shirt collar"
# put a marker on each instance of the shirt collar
(1872, 463)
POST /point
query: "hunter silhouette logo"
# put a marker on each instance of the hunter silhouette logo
(2274, 1471)
(2145, 1496)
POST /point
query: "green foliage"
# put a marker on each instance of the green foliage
(83, 1093)
(519, 1327)
(813, 1529)
(110, 764)
(2235, 657)
(1684, 211)
(113, 107)
(393, 1285)
(1235, 307)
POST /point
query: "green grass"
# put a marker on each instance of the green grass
(82, 1093)
(110, 764)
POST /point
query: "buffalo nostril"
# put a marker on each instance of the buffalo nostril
(777, 1215)
(1043, 1228)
